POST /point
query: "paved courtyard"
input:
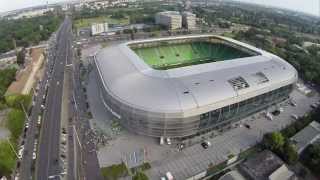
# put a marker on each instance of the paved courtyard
(125, 146)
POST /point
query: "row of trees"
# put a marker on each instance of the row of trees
(258, 16)
(7, 76)
(15, 124)
(14, 120)
(24, 32)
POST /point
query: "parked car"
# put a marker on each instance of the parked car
(168, 141)
(205, 144)
(294, 116)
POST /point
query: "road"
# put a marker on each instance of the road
(48, 161)
(26, 163)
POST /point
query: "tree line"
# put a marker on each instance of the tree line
(27, 31)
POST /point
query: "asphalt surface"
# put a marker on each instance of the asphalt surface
(48, 160)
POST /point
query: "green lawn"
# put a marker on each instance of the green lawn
(101, 19)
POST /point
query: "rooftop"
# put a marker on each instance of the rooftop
(262, 165)
(169, 13)
(306, 136)
(188, 90)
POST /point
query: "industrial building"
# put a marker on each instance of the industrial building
(182, 86)
(171, 19)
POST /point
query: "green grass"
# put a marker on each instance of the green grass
(80, 23)
(168, 56)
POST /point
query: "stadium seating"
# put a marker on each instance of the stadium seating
(178, 55)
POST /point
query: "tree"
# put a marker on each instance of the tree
(310, 157)
(7, 159)
(290, 154)
(15, 122)
(273, 141)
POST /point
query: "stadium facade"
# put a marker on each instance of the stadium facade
(182, 86)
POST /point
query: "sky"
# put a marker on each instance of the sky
(309, 6)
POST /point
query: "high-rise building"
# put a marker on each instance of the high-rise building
(170, 19)
(188, 20)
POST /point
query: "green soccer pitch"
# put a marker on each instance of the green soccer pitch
(170, 56)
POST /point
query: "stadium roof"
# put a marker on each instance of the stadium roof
(189, 89)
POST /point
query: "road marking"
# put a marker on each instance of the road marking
(75, 102)
(75, 131)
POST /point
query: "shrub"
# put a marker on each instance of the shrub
(290, 154)
(115, 171)
(273, 141)
(140, 176)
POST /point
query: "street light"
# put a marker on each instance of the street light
(12, 148)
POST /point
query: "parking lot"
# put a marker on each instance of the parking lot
(119, 145)
(195, 159)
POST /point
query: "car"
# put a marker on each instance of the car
(34, 155)
(292, 103)
(314, 106)
(294, 116)
(161, 140)
(276, 112)
(20, 152)
(168, 141)
(206, 144)
(169, 176)
(247, 126)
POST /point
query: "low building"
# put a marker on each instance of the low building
(188, 20)
(266, 166)
(306, 136)
(170, 19)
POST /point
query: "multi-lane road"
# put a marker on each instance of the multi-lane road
(82, 162)
(25, 170)
(48, 161)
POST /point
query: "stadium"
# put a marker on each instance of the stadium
(182, 86)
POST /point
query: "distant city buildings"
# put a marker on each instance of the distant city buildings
(31, 13)
(100, 4)
(174, 20)
(98, 28)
